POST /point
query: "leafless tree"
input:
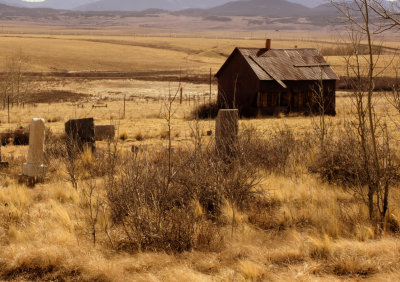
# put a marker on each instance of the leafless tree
(374, 145)
(71, 160)
(388, 11)
(318, 104)
(14, 85)
(393, 95)
(167, 112)
(93, 202)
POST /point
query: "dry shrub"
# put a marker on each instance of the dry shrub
(175, 209)
(354, 265)
(18, 137)
(21, 137)
(350, 258)
(123, 136)
(319, 248)
(139, 136)
(155, 214)
(36, 262)
(55, 145)
(164, 134)
(342, 161)
(286, 256)
(250, 271)
(205, 111)
(199, 177)
(277, 151)
(213, 180)
(63, 151)
(54, 119)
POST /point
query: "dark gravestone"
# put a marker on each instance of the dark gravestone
(80, 133)
(104, 132)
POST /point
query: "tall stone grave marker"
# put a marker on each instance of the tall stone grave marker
(226, 131)
(35, 167)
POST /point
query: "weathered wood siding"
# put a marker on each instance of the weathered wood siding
(238, 86)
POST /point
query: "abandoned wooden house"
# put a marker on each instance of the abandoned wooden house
(270, 81)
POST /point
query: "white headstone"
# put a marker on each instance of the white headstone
(35, 167)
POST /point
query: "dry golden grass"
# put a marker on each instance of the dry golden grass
(45, 241)
(310, 230)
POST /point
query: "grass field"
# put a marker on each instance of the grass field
(44, 234)
(104, 53)
(300, 228)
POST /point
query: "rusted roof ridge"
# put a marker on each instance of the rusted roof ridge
(269, 73)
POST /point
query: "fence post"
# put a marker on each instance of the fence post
(8, 106)
(124, 106)
(210, 85)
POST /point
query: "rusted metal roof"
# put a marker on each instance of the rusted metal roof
(287, 64)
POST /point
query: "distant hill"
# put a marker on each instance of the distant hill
(178, 5)
(270, 8)
(11, 11)
(53, 4)
(287, 12)
(325, 10)
(310, 3)
(139, 5)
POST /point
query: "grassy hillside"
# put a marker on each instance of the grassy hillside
(130, 53)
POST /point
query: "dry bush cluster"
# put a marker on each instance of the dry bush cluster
(205, 111)
(342, 162)
(177, 207)
(177, 200)
(18, 137)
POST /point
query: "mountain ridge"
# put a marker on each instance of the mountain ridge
(276, 8)
(268, 9)
(135, 5)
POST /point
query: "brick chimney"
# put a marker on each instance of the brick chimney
(268, 44)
